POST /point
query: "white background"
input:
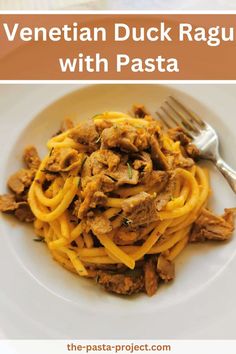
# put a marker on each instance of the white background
(118, 4)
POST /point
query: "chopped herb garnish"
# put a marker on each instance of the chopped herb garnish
(130, 171)
(98, 139)
(39, 239)
(127, 222)
(97, 115)
(50, 172)
(50, 154)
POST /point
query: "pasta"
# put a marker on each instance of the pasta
(119, 198)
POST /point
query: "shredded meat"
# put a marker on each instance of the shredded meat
(21, 210)
(165, 268)
(140, 209)
(99, 223)
(192, 151)
(178, 134)
(144, 165)
(86, 170)
(31, 158)
(165, 195)
(183, 162)
(19, 184)
(110, 267)
(176, 159)
(87, 135)
(74, 207)
(102, 124)
(99, 199)
(8, 203)
(157, 155)
(140, 111)
(126, 237)
(62, 160)
(150, 276)
(20, 181)
(102, 160)
(212, 227)
(125, 175)
(93, 185)
(128, 283)
(125, 137)
(158, 179)
(24, 213)
(107, 183)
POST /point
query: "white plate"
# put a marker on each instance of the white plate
(39, 299)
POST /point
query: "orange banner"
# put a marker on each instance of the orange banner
(117, 47)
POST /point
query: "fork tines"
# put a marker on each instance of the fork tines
(174, 113)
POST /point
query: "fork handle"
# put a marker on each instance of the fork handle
(227, 172)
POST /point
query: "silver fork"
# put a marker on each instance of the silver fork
(174, 113)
